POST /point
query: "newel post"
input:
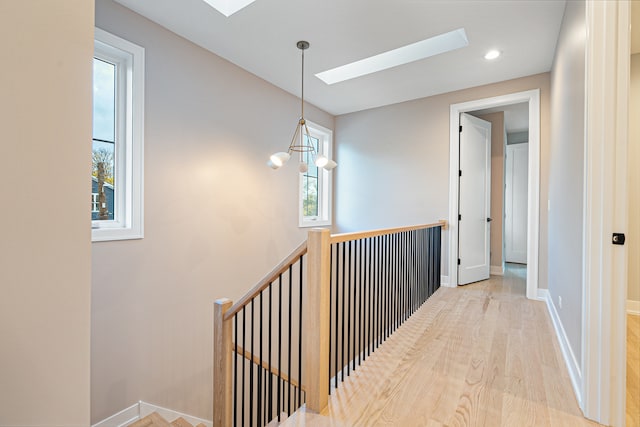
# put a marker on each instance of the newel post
(315, 372)
(222, 347)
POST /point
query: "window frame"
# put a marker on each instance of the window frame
(129, 136)
(325, 181)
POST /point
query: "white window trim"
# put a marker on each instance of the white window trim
(325, 181)
(130, 140)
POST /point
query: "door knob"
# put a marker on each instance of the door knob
(489, 220)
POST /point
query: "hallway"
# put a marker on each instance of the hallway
(478, 355)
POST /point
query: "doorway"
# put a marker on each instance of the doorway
(532, 100)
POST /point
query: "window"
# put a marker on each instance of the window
(117, 146)
(94, 203)
(316, 183)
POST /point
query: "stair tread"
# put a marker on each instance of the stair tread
(152, 420)
(181, 422)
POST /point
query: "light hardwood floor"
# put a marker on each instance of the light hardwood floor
(478, 355)
(633, 371)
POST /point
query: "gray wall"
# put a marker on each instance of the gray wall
(517, 137)
(566, 172)
(633, 292)
(217, 219)
(45, 249)
(394, 162)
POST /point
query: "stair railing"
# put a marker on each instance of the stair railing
(271, 356)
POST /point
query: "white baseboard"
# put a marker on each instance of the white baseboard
(444, 281)
(567, 353)
(543, 294)
(633, 307)
(122, 418)
(497, 270)
(141, 410)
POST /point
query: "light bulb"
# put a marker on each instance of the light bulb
(303, 167)
(492, 54)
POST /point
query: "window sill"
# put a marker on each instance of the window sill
(109, 234)
(317, 223)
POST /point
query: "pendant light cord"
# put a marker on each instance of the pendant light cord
(302, 94)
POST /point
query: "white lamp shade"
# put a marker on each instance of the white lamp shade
(330, 165)
(325, 162)
(278, 159)
(272, 165)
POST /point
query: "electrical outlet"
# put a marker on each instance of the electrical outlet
(559, 301)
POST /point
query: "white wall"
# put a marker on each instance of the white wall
(45, 249)
(566, 173)
(633, 183)
(394, 162)
(217, 219)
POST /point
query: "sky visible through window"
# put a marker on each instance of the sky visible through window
(103, 149)
(103, 100)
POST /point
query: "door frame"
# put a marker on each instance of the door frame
(532, 97)
(605, 211)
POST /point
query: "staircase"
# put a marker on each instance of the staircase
(155, 420)
(355, 290)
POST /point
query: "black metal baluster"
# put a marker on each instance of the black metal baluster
(395, 289)
(388, 265)
(404, 265)
(235, 370)
(360, 255)
(370, 290)
(331, 266)
(300, 337)
(260, 417)
(279, 343)
(363, 306)
(381, 264)
(356, 250)
(270, 411)
(431, 262)
(251, 368)
(335, 372)
(344, 287)
(289, 343)
(349, 310)
(244, 329)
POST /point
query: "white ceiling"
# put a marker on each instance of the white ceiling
(261, 38)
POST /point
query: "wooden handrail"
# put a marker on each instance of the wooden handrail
(264, 283)
(264, 365)
(345, 237)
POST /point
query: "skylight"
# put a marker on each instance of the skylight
(228, 7)
(403, 55)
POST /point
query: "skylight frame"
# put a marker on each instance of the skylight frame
(228, 7)
(432, 46)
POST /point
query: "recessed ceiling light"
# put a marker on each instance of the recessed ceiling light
(403, 55)
(492, 54)
(228, 7)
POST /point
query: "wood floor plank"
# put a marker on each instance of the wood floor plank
(478, 355)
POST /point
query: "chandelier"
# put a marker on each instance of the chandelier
(301, 141)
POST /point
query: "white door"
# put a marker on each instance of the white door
(475, 200)
(515, 203)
